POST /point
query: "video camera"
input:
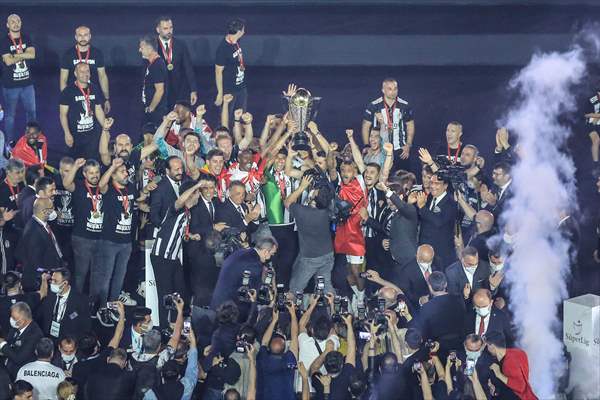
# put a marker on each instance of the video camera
(340, 308)
(455, 173)
(244, 290)
(170, 301)
(223, 244)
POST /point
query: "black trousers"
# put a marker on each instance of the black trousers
(287, 250)
(201, 273)
(240, 100)
(168, 275)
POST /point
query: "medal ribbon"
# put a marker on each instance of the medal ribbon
(92, 197)
(86, 96)
(124, 199)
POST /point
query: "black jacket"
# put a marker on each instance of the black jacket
(403, 231)
(181, 79)
(76, 320)
(457, 278)
(20, 349)
(228, 213)
(442, 319)
(413, 282)
(161, 199)
(499, 322)
(437, 228)
(110, 383)
(36, 250)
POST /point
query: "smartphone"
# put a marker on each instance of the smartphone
(187, 326)
(364, 335)
(111, 305)
(470, 367)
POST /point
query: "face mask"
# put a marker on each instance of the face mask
(496, 267)
(470, 268)
(52, 216)
(507, 238)
(424, 266)
(483, 311)
(146, 327)
(55, 287)
(68, 357)
(473, 355)
(13, 323)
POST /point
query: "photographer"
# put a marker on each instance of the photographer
(315, 255)
(245, 357)
(230, 276)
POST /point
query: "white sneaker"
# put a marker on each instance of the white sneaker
(141, 289)
(126, 299)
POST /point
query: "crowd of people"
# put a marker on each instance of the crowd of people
(284, 264)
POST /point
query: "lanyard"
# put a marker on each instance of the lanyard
(87, 57)
(455, 154)
(19, 48)
(86, 96)
(186, 234)
(168, 55)
(240, 57)
(94, 198)
(390, 114)
(12, 191)
(124, 200)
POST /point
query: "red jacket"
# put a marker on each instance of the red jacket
(516, 368)
(27, 154)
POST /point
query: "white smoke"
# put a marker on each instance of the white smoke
(543, 185)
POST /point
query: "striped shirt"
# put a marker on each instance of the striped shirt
(169, 239)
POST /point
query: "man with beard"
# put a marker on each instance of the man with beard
(123, 149)
(80, 107)
(452, 150)
(119, 196)
(248, 169)
(154, 87)
(349, 238)
(84, 52)
(215, 167)
(180, 71)
(9, 191)
(167, 191)
(32, 147)
(17, 52)
(44, 188)
(186, 120)
(88, 214)
(190, 145)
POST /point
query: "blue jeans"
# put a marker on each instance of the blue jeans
(85, 257)
(108, 274)
(11, 98)
(305, 268)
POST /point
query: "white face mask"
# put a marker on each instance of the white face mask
(424, 266)
(14, 323)
(473, 355)
(483, 311)
(52, 215)
(55, 287)
(496, 267)
(470, 267)
(507, 238)
(68, 357)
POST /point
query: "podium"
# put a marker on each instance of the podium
(581, 336)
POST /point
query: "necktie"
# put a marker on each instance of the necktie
(54, 242)
(166, 47)
(433, 202)
(481, 326)
(241, 211)
(427, 274)
(211, 210)
(56, 308)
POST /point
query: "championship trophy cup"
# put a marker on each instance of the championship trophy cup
(302, 108)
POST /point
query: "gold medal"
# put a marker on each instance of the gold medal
(96, 214)
(170, 67)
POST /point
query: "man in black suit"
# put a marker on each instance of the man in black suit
(180, 71)
(23, 336)
(441, 318)
(139, 323)
(235, 213)
(503, 189)
(484, 229)
(64, 311)
(485, 317)
(167, 192)
(416, 273)
(473, 349)
(38, 246)
(438, 219)
(468, 274)
(112, 381)
(202, 279)
(28, 195)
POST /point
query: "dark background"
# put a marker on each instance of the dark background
(452, 59)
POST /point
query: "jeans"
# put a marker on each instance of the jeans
(305, 268)
(85, 257)
(107, 275)
(11, 98)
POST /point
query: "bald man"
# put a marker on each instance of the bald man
(416, 273)
(17, 52)
(484, 229)
(83, 51)
(484, 317)
(81, 114)
(123, 149)
(38, 247)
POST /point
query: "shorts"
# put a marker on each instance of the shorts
(355, 259)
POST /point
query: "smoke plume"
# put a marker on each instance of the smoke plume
(543, 186)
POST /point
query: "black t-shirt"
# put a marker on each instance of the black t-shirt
(88, 224)
(119, 216)
(8, 197)
(133, 164)
(93, 57)
(230, 56)
(81, 120)
(394, 117)
(19, 74)
(155, 72)
(63, 204)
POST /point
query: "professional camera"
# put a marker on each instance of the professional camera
(224, 243)
(244, 290)
(455, 173)
(170, 300)
(241, 344)
(320, 290)
(264, 292)
(380, 318)
(299, 302)
(340, 308)
(281, 302)
(429, 344)
(319, 178)
(342, 210)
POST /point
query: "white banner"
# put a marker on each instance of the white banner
(151, 294)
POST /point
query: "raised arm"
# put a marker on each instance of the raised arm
(388, 163)
(174, 341)
(314, 129)
(356, 154)
(227, 99)
(105, 157)
(289, 167)
(295, 195)
(306, 316)
(293, 329)
(69, 179)
(245, 141)
(351, 351)
(104, 181)
(180, 202)
(374, 277)
(116, 339)
(269, 332)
